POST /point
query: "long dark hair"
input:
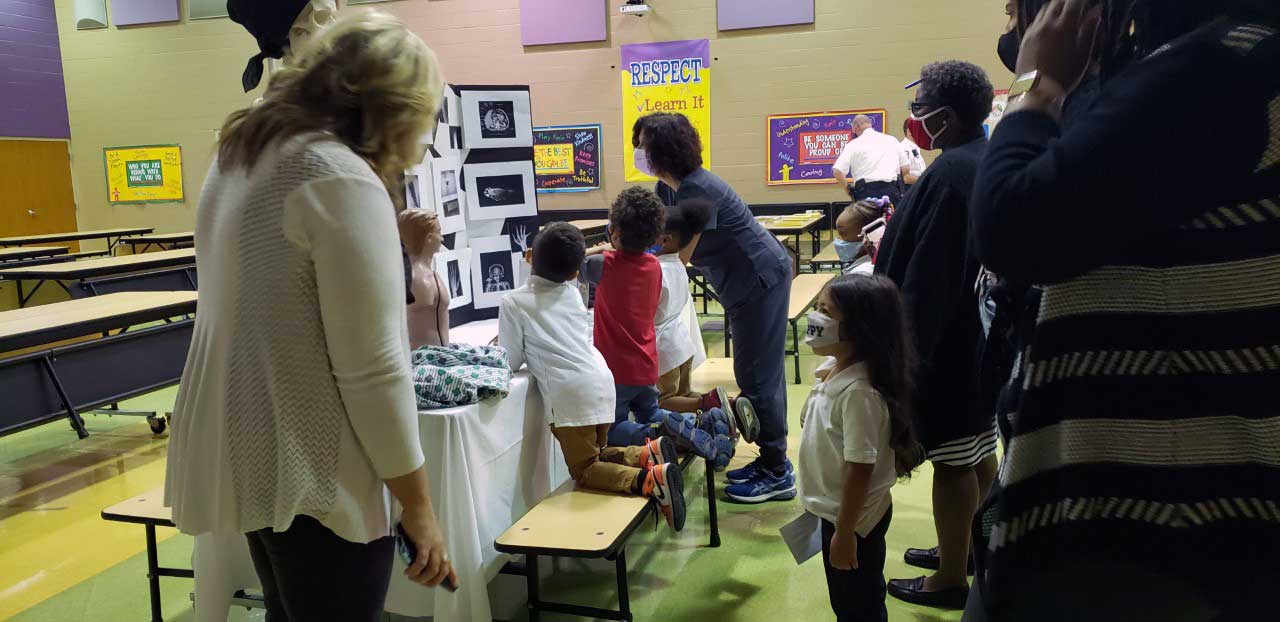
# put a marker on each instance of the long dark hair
(874, 320)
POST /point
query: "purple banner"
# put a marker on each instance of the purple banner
(738, 14)
(802, 147)
(545, 22)
(668, 53)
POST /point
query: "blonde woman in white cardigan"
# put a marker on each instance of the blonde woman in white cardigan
(296, 420)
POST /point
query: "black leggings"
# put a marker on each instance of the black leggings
(310, 574)
(858, 595)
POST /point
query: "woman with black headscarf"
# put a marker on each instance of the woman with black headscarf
(1141, 478)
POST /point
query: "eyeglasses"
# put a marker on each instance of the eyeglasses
(918, 108)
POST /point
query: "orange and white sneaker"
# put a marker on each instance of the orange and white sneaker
(665, 484)
(658, 451)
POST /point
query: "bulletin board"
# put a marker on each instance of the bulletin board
(803, 147)
(566, 158)
(144, 174)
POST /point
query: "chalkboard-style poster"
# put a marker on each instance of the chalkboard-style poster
(566, 158)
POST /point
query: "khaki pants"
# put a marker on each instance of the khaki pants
(595, 466)
(676, 383)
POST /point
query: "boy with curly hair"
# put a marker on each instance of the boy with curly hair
(628, 285)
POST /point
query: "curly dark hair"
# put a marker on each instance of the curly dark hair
(688, 219)
(963, 86)
(558, 252)
(638, 216)
(672, 143)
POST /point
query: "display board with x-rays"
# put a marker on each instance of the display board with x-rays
(478, 178)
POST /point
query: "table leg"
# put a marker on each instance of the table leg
(795, 341)
(711, 504)
(531, 579)
(817, 241)
(153, 574)
(624, 599)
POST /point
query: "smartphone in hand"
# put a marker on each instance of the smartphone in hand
(408, 552)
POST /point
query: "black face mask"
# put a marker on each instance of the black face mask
(1008, 49)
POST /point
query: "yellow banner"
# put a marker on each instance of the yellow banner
(553, 159)
(148, 174)
(673, 76)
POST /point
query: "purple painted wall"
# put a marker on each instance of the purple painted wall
(562, 21)
(33, 101)
(738, 14)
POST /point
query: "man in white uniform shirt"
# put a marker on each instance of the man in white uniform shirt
(915, 160)
(870, 164)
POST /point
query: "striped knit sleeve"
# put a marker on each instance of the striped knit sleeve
(347, 225)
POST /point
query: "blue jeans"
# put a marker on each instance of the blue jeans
(641, 400)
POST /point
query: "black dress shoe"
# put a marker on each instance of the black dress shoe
(928, 559)
(912, 591)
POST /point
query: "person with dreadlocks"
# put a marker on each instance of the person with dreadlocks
(1140, 477)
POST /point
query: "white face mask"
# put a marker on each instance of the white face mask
(641, 159)
(822, 331)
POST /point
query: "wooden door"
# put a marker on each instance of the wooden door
(35, 188)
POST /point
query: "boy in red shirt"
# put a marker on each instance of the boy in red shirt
(628, 282)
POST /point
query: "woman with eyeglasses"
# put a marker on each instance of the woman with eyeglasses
(926, 252)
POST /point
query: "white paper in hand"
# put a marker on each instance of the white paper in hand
(803, 536)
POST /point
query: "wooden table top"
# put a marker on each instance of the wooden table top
(804, 292)
(100, 267)
(577, 522)
(27, 252)
(586, 226)
(22, 328)
(70, 236)
(143, 509)
(160, 238)
(717, 372)
(791, 223)
(828, 255)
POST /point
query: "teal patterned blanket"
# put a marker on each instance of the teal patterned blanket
(457, 375)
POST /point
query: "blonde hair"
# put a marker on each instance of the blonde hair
(419, 230)
(367, 80)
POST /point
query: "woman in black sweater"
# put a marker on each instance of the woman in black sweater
(926, 251)
(1142, 465)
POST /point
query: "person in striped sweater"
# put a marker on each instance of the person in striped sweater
(1141, 477)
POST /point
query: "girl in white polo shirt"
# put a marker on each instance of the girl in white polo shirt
(857, 438)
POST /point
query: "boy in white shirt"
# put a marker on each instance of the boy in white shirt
(676, 347)
(545, 324)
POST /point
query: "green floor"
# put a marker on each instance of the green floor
(673, 577)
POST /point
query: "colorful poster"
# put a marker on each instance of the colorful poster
(673, 76)
(146, 174)
(566, 158)
(802, 147)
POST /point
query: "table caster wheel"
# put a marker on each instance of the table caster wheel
(158, 424)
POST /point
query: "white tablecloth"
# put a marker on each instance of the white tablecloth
(488, 463)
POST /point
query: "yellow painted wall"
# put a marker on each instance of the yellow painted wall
(175, 83)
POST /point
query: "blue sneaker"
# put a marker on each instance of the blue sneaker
(725, 448)
(744, 474)
(714, 422)
(765, 487)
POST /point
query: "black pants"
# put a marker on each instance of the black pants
(309, 574)
(876, 189)
(858, 595)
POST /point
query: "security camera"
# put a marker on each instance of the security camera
(637, 8)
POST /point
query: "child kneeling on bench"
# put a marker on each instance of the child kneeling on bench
(545, 324)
